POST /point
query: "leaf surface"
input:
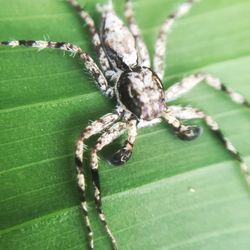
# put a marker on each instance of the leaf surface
(171, 194)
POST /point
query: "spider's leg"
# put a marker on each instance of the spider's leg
(160, 45)
(184, 132)
(143, 55)
(124, 154)
(186, 84)
(87, 60)
(94, 128)
(192, 113)
(106, 138)
(102, 57)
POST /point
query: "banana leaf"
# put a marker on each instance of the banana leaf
(172, 194)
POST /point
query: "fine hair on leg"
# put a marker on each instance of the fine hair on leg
(102, 57)
(94, 128)
(89, 63)
(106, 138)
(181, 88)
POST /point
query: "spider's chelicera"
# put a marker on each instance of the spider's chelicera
(127, 75)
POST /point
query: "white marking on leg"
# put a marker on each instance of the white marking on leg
(230, 146)
(237, 97)
(13, 43)
(211, 123)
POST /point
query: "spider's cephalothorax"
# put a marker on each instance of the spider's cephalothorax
(140, 91)
(141, 101)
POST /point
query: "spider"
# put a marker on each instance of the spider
(126, 74)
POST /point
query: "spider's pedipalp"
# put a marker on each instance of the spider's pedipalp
(186, 84)
(184, 132)
(160, 45)
(143, 55)
(189, 132)
(106, 138)
(124, 154)
(94, 128)
(188, 113)
(89, 63)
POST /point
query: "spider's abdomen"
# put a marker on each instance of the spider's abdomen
(141, 92)
(117, 40)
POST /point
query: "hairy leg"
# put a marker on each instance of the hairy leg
(192, 113)
(160, 45)
(143, 55)
(186, 84)
(102, 57)
(106, 138)
(69, 47)
(94, 128)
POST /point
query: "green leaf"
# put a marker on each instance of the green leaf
(171, 194)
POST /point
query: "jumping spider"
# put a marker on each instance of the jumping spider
(127, 75)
